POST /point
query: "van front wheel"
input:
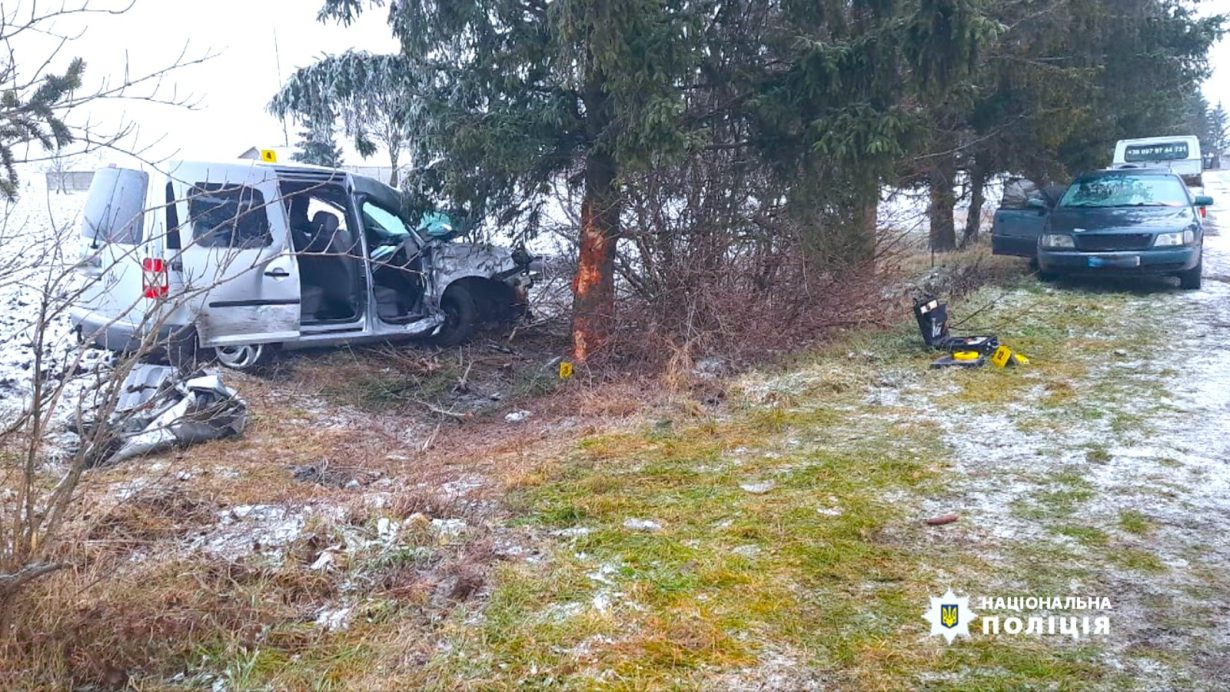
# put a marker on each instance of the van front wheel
(460, 316)
(245, 357)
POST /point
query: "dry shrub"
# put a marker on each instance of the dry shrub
(742, 314)
(100, 629)
(718, 306)
(721, 258)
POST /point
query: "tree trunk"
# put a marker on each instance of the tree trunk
(593, 287)
(870, 221)
(393, 156)
(977, 197)
(943, 201)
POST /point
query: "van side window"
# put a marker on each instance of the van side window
(228, 216)
(172, 220)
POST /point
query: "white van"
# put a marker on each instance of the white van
(237, 259)
(1179, 155)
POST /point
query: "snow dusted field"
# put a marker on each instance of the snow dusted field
(1158, 455)
(38, 245)
(1112, 483)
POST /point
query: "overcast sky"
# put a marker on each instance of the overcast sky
(233, 87)
(1218, 87)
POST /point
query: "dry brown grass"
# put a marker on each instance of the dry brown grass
(139, 606)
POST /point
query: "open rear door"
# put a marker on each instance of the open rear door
(238, 271)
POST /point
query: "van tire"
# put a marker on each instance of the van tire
(1190, 279)
(460, 316)
(245, 357)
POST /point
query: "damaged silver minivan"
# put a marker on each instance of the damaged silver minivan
(234, 260)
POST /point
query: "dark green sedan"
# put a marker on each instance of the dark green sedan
(1126, 222)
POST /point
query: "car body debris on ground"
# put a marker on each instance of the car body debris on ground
(159, 407)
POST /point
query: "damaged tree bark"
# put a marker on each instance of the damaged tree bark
(593, 287)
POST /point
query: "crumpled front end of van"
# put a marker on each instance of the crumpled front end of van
(453, 261)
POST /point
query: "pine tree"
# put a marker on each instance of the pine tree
(34, 117)
(373, 94)
(317, 145)
(1219, 130)
(1060, 82)
(517, 96)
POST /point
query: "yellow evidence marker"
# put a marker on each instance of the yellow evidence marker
(269, 156)
(1001, 356)
(1005, 356)
(565, 370)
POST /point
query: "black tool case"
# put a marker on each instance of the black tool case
(932, 316)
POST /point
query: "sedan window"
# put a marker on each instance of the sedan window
(1126, 190)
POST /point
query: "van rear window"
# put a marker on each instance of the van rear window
(1162, 151)
(114, 207)
(228, 216)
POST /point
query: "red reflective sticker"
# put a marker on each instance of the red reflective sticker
(154, 282)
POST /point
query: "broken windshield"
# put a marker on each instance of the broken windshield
(1126, 190)
(383, 224)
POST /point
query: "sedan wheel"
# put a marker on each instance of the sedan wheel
(1190, 279)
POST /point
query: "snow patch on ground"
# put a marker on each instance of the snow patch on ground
(1173, 469)
(246, 529)
(39, 244)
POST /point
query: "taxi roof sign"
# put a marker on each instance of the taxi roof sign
(269, 156)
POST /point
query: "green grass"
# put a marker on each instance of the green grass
(832, 564)
(378, 390)
(1097, 455)
(1085, 535)
(1134, 522)
(1137, 559)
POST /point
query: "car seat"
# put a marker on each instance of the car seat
(329, 277)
